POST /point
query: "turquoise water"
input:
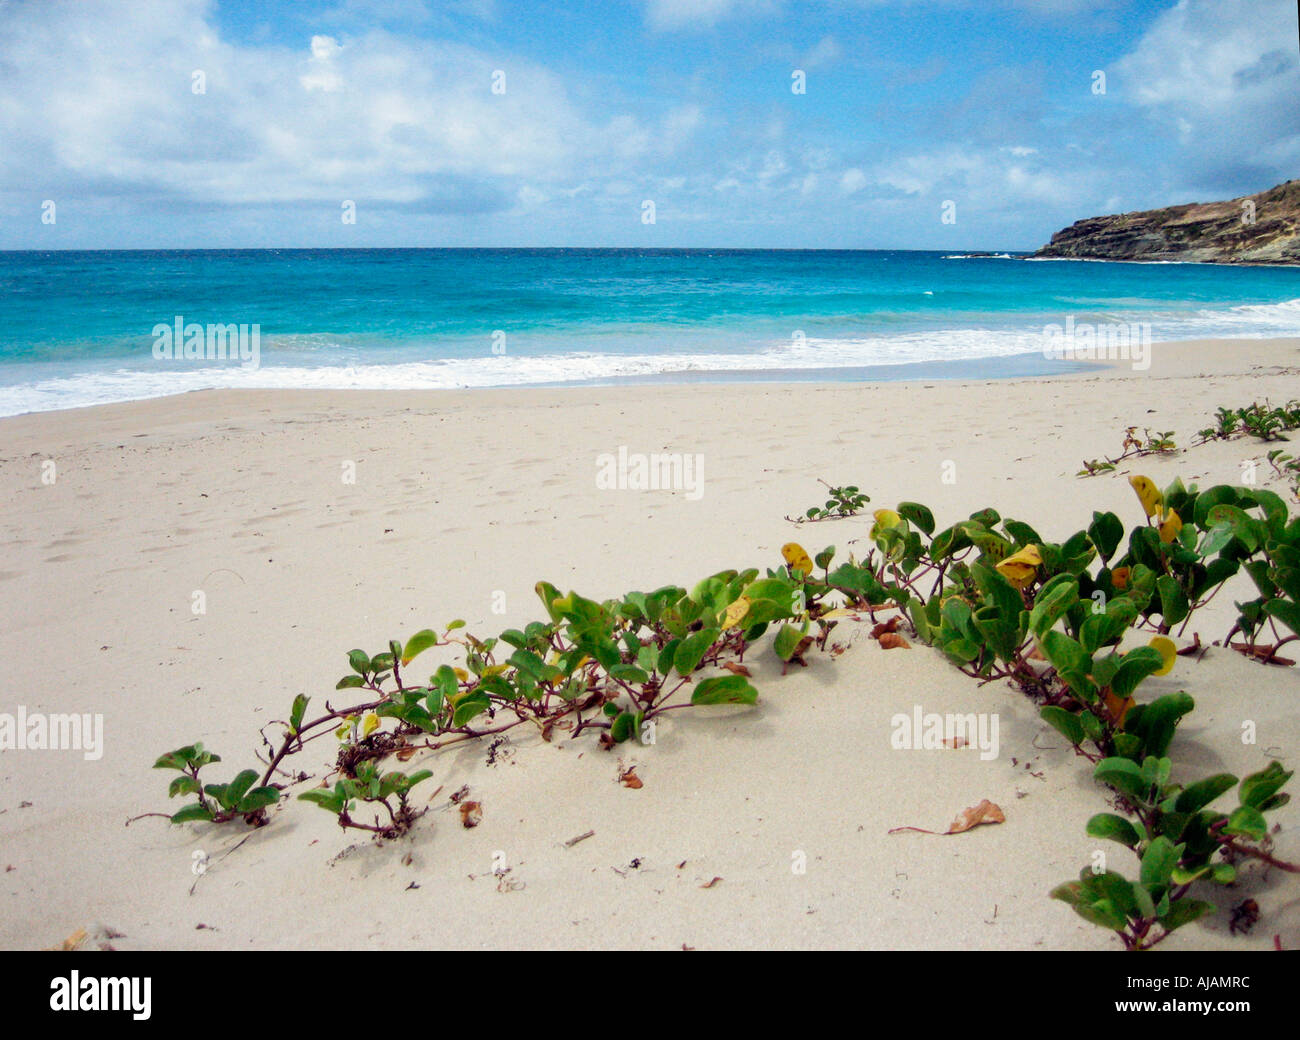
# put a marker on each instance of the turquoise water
(78, 328)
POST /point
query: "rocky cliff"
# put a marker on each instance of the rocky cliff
(1254, 229)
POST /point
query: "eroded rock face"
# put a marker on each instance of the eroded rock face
(1254, 229)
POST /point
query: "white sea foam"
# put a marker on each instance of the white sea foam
(51, 392)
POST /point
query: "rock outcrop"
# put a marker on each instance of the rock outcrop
(1254, 229)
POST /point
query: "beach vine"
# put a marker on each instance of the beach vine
(1056, 620)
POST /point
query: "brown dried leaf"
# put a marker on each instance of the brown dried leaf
(984, 812)
(736, 669)
(628, 778)
(406, 754)
(892, 640)
(1262, 653)
(712, 883)
(886, 626)
(471, 814)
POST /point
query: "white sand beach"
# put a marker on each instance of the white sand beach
(463, 500)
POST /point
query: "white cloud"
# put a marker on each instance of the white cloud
(983, 178)
(1224, 74)
(853, 180)
(825, 51)
(668, 15)
(1211, 54)
(376, 117)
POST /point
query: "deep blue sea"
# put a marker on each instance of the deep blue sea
(80, 328)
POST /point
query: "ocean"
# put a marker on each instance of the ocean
(81, 328)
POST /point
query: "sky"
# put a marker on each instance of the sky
(889, 124)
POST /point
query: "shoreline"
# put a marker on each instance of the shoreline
(1206, 354)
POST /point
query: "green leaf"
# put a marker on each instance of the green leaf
(623, 727)
(1173, 600)
(1245, 528)
(191, 813)
(1064, 653)
(1113, 828)
(692, 650)
(419, 643)
(1258, 788)
(1248, 822)
(334, 801)
(1106, 531)
(1154, 724)
(1052, 603)
(1022, 533)
(728, 689)
(548, 594)
(349, 682)
(1135, 666)
(1286, 612)
(360, 662)
(1197, 796)
(962, 651)
(1185, 911)
(240, 786)
(787, 641)
(1124, 775)
(258, 798)
(998, 591)
(185, 784)
(629, 673)
(1158, 862)
(917, 515)
(666, 656)
(297, 711)
(1064, 722)
(473, 705)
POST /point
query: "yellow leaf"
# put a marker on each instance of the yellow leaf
(1117, 708)
(1170, 527)
(885, 518)
(461, 674)
(1148, 494)
(72, 942)
(1168, 651)
(839, 612)
(1119, 578)
(1021, 568)
(735, 613)
(796, 557)
(370, 725)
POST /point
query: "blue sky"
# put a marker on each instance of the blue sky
(991, 105)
